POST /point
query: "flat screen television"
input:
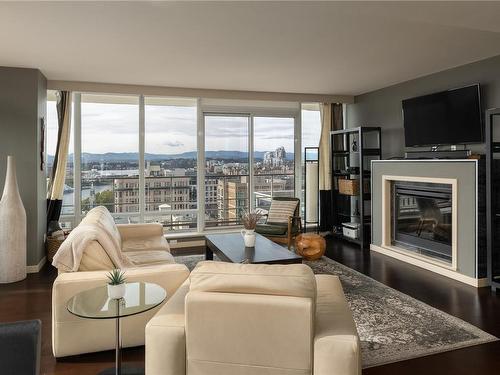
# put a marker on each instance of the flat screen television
(444, 118)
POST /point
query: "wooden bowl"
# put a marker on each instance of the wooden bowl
(310, 246)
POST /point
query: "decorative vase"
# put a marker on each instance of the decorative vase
(248, 237)
(12, 229)
(116, 291)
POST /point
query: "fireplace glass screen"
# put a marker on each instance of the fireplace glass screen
(422, 218)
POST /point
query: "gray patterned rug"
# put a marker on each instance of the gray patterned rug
(392, 326)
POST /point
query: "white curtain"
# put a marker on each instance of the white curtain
(325, 110)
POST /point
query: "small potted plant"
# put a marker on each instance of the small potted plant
(116, 284)
(249, 220)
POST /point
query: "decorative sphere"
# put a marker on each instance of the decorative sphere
(310, 246)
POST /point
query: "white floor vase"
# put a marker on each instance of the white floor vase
(12, 229)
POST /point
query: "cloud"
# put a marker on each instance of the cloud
(173, 144)
(173, 129)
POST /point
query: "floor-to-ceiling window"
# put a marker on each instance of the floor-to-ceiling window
(226, 169)
(171, 163)
(273, 145)
(140, 157)
(110, 154)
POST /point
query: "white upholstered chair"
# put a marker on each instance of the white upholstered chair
(232, 319)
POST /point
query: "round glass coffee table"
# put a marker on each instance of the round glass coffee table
(95, 304)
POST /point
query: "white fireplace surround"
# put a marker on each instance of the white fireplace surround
(468, 245)
(387, 244)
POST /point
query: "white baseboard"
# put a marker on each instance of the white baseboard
(36, 268)
(478, 283)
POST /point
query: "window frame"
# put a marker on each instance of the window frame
(202, 109)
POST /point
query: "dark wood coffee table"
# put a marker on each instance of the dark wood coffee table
(230, 247)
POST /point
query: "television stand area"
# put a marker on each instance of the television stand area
(438, 154)
(432, 214)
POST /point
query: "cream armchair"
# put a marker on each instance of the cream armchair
(231, 319)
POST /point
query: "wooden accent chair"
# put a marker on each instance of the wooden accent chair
(283, 221)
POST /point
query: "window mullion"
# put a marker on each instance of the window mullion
(298, 153)
(142, 179)
(77, 156)
(251, 179)
(200, 167)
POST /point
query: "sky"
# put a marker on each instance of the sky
(172, 130)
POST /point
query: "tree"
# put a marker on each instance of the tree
(104, 198)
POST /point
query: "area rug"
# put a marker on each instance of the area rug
(392, 326)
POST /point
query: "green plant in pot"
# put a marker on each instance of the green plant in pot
(116, 284)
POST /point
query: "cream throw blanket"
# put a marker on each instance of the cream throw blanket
(70, 254)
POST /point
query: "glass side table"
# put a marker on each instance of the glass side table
(95, 304)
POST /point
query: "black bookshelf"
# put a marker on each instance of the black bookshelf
(493, 198)
(351, 153)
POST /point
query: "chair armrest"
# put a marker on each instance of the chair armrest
(166, 336)
(337, 349)
(129, 231)
(66, 285)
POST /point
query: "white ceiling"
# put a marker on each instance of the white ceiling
(302, 47)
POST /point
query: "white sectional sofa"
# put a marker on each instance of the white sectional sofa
(144, 246)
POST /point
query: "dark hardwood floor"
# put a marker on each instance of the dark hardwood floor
(479, 307)
(31, 299)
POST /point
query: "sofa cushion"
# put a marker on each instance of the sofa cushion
(280, 211)
(295, 280)
(149, 257)
(95, 258)
(271, 229)
(100, 216)
(150, 243)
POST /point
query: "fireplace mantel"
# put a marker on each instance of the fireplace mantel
(467, 255)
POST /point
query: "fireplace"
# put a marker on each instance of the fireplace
(422, 218)
(437, 220)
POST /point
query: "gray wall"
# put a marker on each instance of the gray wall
(22, 105)
(383, 107)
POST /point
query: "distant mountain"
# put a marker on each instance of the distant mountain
(133, 156)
